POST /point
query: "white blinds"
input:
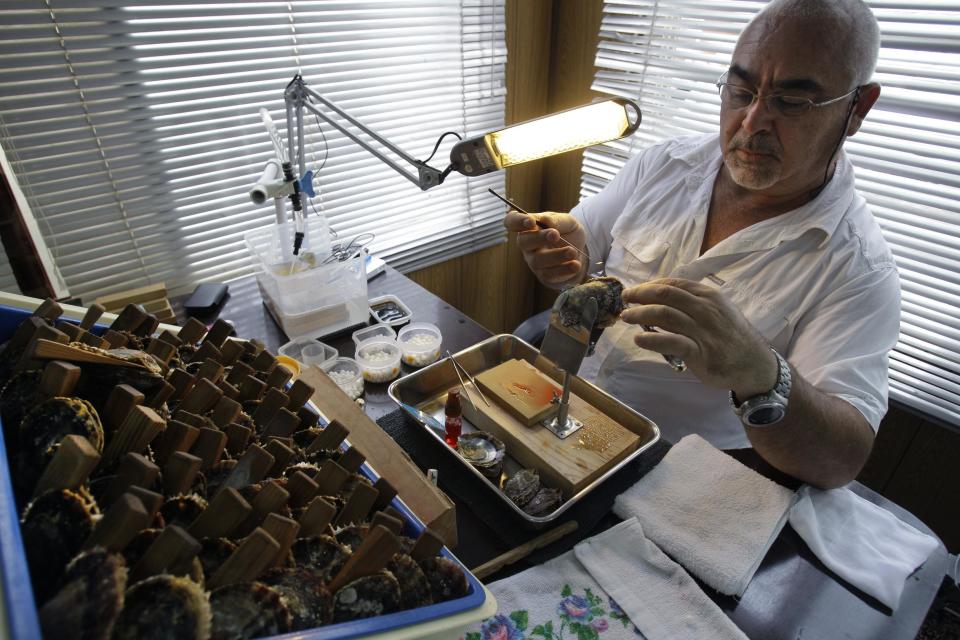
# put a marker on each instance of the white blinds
(133, 127)
(668, 54)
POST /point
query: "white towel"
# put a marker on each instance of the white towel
(606, 587)
(711, 513)
(861, 542)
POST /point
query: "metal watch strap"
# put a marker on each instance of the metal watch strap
(776, 397)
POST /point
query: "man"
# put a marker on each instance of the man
(752, 254)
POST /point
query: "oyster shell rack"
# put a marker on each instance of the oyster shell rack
(426, 389)
(20, 611)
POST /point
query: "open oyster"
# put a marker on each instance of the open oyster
(304, 593)
(367, 597)
(248, 610)
(321, 554)
(522, 486)
(164, 606)
(89, 602)
(606, 291)
(414, 587)
(446, 578)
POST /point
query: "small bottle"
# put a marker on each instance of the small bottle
(454, 417)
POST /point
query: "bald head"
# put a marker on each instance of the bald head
(846, 25)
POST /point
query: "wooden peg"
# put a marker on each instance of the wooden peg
(209, 446)
(284, 531)
(94, 311)
(170, 338)
(182, 383)
(247, 561)
(224, 514)
(230, 350)
(139, 428)
(121, 401)
(191, 419)
(283, 425)
(238, 372)
(201, 398)
(271, 498)
(298, 394)
(206, 351)
(173, 547)
(264, 362)
(308, 418)
(210, 370)
(92, 340)
(118, 526)
(393, 525)
(133, 469)
(358, 505)
(130, 318)
(352, 460)
(192, 331)
(315, 518)
(114, 339)
(59, 379)
(161, 394)
(229, 391)
(250, 468)
(375, 551)
(147, 326)
(178, 436)
(179, 473)
(225, 411)
(220, 331)
(330, 438)
(162, 351)
(73, 462)
(330, 478)
(151, 501)
(237, 437)
(428, 544)
(282, 455)
(269, 407)
(23, 334)
(251, 388)
(394, 512)
(49, 310)
(279, 377)
(46, 339)
(302, 488)
(385, 493)
(72, 331)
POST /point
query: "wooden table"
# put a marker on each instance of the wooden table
(792, 595)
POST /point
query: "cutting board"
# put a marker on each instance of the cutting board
(570, 464)
(521, 389)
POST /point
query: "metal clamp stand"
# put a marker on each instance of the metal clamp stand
(562, 424)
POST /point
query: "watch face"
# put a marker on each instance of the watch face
(764, 415)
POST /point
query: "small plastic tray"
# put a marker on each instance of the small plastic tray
(389, 303)
(375, 332)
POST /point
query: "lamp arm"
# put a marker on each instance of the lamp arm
(296, 97)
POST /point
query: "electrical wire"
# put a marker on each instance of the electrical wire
(439, 140)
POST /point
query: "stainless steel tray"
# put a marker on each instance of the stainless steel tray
(426, 390)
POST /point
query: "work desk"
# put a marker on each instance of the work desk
(792, 595)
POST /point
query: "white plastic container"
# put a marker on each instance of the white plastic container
(307, 295)
(379, 359)
(346, 373)
(299, 350)
(377, 331)
(420, 343)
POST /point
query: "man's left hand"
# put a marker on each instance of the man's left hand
(703, 327)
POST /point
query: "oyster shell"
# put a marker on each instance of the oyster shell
(321, 554)
(546, 501)
(89, 602)
(522, 486)
(162, 607)
(304, 593)
(414, 586)
(367, 597)
(182, 510)
(606, 291)
(446, 578)
(248, 610)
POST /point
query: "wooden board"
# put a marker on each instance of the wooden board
(570, 464)
(521, 389)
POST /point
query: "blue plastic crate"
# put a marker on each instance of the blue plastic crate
(18, 594)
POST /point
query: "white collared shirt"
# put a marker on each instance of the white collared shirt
(819, 282)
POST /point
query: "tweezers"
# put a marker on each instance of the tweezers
(457, 367)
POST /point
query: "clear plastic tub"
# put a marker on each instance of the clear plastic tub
(420, 343)
(379, 359)
(377, 331)
(346, 373)
(309, 351)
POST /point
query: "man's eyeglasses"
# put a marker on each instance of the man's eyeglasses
(736, 96)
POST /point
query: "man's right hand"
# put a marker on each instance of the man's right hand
(553, 261)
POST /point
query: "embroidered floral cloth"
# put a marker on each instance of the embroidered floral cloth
(613, 586)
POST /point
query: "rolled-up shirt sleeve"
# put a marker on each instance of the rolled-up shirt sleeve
(841, 345)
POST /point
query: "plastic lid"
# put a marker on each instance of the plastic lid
(377, 331)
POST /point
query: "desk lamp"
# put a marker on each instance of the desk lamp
(531, 140)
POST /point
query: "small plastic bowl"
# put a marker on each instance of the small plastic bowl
(346, 373)
(420, 343)
(309, 351)
(379, 360)
(375, 332)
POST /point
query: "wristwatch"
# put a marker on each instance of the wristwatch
(768, 408)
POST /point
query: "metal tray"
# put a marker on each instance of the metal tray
(426, 390)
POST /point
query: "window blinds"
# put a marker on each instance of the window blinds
(133, 127)
(668, 55)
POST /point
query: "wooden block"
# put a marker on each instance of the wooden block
(170, 337)
(73, 462)
(279, 377)
(385, 493)
(173, 546)
(330, 478)
(147, 327)
(192, 331)
(271, 498)
(182, 383)
(308, 418)
(133, 469)
(24, 334)
(302, 489)
(250, 468)
(178, 436)
(237, 437)
(229, 391)
(314, 520)
(72, 331)
(179, 473)
(201, 398)
(209, 446)
(151, 501)
(114, 339)
(121, 401)
(264, 362)
(247, 560)
(251, 388)
(392, 524)
(238, 373)
(269, 407)
(220, 331)
(283, 425)
(426, 546)
(91, 316)
(161, 350)
(282, 455)
(129, 319)
(284, 531)
(160, 395)
(226, 512)
(352, 460)
(210, 370)
(49, 310)
(118, 526)
(520, 388)
(298, 394)
(139, 428)
(358, 505)
(140, 294)
(225, 411)
(570, 464)
(206, 351)
(48, 339)
(330, 438)
(230, 350)
(375, 551)
(59, 379)
(93, 340)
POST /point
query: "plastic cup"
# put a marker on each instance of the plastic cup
(314, 354)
